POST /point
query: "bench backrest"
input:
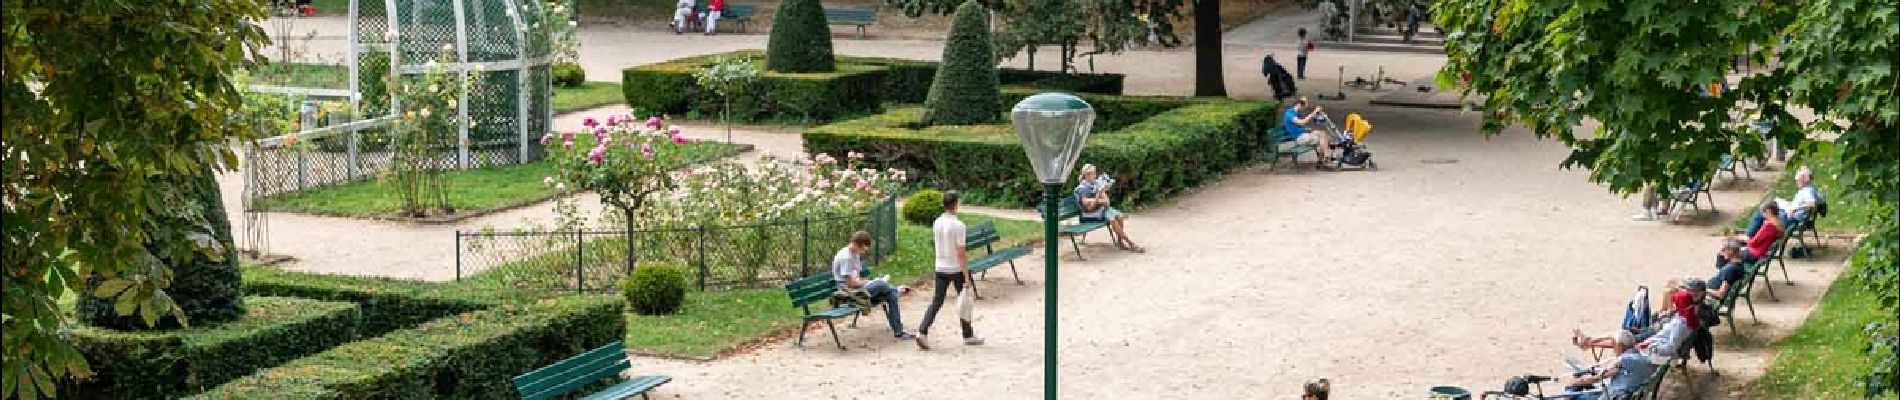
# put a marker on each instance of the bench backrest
(981, 235)
(1067, 208)
(739, 11)
(815, 288)
(849, 14)
(1745, 286)
(573, 373)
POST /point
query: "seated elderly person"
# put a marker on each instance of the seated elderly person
(1092, 195)
(1793, 211)
(1617, 377)
(1730, 273)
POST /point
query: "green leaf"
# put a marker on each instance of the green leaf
(111, 288)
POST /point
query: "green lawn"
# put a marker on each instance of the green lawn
(1826, 357)
(469, 191)
(325, 76)
(715, 322)
(589, 95)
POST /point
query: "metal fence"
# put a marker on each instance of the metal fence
(742, 256)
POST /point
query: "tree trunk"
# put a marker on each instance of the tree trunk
(1207, 59)
(206, 290)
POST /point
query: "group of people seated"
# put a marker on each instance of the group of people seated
(1649, 340)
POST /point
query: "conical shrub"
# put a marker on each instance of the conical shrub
(801, 40)
(208, 289)
(964, 91)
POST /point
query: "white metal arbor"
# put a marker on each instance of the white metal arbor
(502, 45)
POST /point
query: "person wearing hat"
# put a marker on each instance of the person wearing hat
(1317, 390)
(1619, 377)
(1729, 273)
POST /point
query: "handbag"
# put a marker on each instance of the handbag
(965, 306)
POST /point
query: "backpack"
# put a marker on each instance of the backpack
(1636, 315)
(1705, 313)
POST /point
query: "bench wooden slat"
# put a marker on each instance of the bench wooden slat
(811, 289)
(604, 352)
(637, 385)
(575, 378)
(581, 370)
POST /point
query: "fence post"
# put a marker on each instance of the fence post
(580, 280)
(458, 255)
(804, 251)
(351, 163)
(703, 271)
(303, 169)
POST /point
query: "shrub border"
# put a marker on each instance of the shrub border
(166, 364)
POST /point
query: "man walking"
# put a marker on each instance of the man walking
(846, 267)
(953, 268)
(1305, 45)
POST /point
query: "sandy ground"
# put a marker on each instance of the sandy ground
(1386, 282)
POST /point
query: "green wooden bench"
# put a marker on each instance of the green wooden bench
(741, 13)
(984, 235)
(851, 16)
(1071, 208)
(1743, 290)
(1692, 196)
(1777, 253)
(1653, 387)
(818, 289)
(1274, 154)
(592, 366)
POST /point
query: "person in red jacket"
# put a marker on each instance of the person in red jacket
(1760, 244)
(713, 9)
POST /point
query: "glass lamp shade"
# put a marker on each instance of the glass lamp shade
(1053, 128)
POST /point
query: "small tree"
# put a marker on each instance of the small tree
(801, 39)
(622, 161)
(964, 90)
(728, 77)
(423, 134)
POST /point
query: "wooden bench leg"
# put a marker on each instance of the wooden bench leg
(973, 291)
(1013, 274)
(1766, 282)
(1782, 260)
(801, 332)
(834, 334)
(854, 318)
(1751, 309)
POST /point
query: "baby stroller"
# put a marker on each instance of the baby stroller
(1349, 146)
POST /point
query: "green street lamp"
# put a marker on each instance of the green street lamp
(1053, 128)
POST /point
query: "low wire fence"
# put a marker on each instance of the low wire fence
(756, 255)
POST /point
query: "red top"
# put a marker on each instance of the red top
(1758, 244)
(716, 5)
(1685, 307)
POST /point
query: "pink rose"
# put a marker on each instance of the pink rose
(655, 122)
(590, 122)
(613, 120)
(680, 139)
(568, 144)
(646, 150)
(598, 154)
(567, 136)
(545, 137)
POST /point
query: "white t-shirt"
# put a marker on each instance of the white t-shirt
(949, 239)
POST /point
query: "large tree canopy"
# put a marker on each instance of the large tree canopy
(1633, 68)
(107, 104)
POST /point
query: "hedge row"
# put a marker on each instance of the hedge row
(860, 86)
(388, 304)
(167, 364)
(1154, 147)
(470, 355)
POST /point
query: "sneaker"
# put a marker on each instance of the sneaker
(905, 336)
(903, 290)
(973, 341)
(1646, 215)
(923, 342)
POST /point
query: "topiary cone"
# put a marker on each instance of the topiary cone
(207, 290)
(801, 39)
(964, 91)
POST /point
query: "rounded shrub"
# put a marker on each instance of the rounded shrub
(923, 206)
(656, 288)
(964, 91)
(801, 39)
(568, 75)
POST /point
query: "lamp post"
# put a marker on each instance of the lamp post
(1053, 127)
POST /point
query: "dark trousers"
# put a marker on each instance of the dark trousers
(1300, 66)
(943, 283)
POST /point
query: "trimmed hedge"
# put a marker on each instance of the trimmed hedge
(1154, 146)
(800, 39)
(823, 96)
(655, 288)
(470, 355)
(669, 87)
(167, 364)
(388, 304)
(964, 91)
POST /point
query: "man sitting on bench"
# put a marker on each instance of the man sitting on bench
(1092, 195)
(849, 263)
(1617, 377)
(1297, 134)
(1793, 211)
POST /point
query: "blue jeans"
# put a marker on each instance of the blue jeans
(883, 292)
(1300, 65)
